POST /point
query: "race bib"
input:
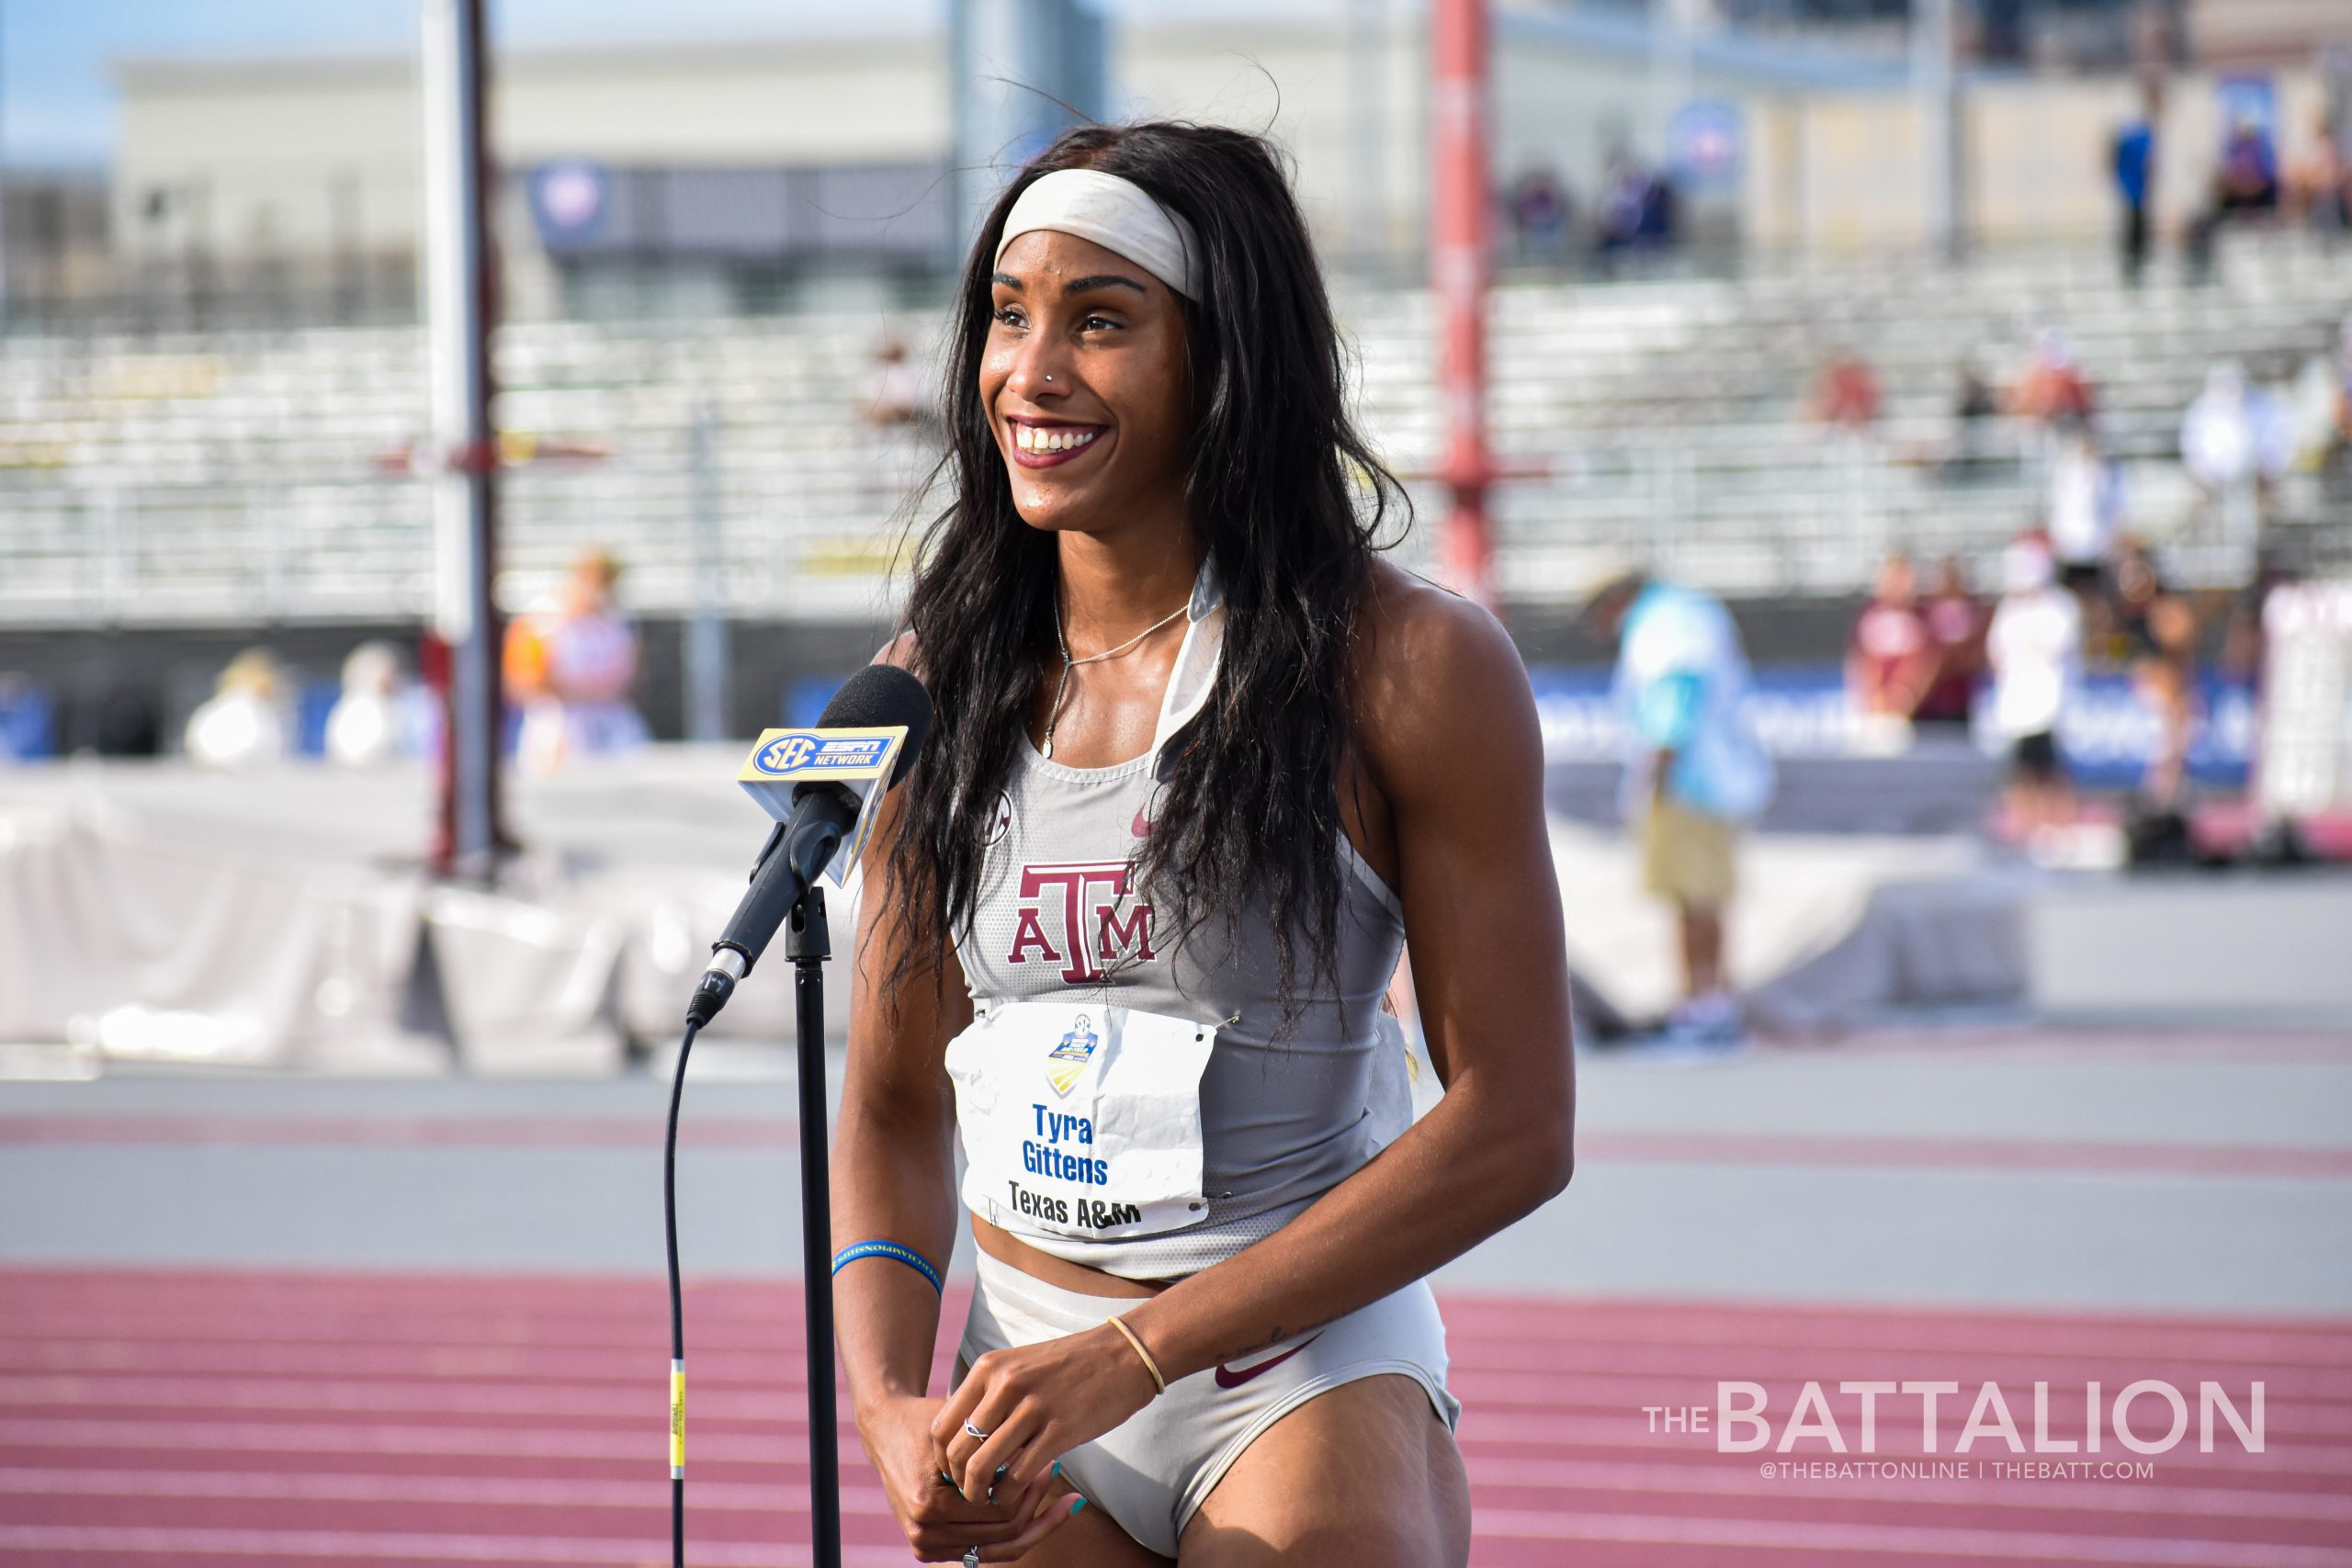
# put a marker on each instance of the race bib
(1082, 1119)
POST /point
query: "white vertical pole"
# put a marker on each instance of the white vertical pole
(992, 44)
(457, 298)
(1936, 83)
(707, 654)
(3, 174)
(1367, 70)
(1674, 29)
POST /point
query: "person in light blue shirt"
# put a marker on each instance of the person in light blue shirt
(1694, 771)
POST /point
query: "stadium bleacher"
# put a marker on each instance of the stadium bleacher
(232, 477)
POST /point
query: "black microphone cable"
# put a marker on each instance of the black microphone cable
(821, 815)
(677, 1312)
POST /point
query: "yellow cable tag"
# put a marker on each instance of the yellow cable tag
(677, 1419)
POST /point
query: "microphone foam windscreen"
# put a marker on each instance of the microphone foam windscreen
(879, 696)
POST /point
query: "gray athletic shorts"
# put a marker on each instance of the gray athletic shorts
(1151, 1474)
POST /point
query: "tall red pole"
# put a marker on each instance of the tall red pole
(1458, 270)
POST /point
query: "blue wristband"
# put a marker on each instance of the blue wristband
(904, 1254)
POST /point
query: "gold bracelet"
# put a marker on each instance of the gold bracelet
(1149, 1364)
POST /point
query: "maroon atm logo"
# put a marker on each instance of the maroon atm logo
(1077, 916)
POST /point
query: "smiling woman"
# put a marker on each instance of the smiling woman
(1230, 416)
(1196, 775)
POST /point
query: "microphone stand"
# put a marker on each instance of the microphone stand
(808, 943)
(823, 811)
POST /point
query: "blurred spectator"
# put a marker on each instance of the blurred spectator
(1636, 208)
(2053, 387)
(571, 663)
(2234, 441)
(1846, 391)
(2134, 165)
(2084, 506)
(245, 722)
(1661, 212)
(2319, 182)
(1538, 206)
(1974, 403)
(1955, 623)
(2034, 649)
(2159, 630)
(1693, 770)
(126, 721)
(382, 714)
(1974, 399)
(2245, 180)
(893, 394)
(1889, 659)
(2247, 177)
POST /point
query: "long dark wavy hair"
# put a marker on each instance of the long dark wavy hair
(1290, 501)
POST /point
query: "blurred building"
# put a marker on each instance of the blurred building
(2264, 32)
(734, 169)
(55, 224)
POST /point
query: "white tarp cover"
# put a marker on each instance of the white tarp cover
(280, 918)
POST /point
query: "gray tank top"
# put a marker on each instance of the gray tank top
(1059, 916)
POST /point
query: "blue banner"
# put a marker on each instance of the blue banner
(2107, 733)
(1800, 710)
(27, 723)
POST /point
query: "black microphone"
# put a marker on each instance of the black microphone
(879, 696)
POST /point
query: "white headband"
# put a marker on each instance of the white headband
(1116, 214)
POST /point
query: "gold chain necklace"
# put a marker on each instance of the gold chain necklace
(1061, 688)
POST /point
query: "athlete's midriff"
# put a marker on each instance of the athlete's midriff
(1006, 1248)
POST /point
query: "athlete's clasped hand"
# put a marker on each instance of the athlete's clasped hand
(1035, 1402)
(942, 1526)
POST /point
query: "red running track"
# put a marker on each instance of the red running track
(156, 1416)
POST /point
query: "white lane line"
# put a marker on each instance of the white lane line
(181, 1437)
(1887, 1543)
(1483, 1433)
(2288, 1418)
(350, 1545)
(459, 1491)
(1490, 1476)
(1739, 1479)
(1571, 1326)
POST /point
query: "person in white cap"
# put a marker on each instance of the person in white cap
(2034, 647)
(1202, 763)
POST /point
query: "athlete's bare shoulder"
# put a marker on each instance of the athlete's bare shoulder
(1435, 671)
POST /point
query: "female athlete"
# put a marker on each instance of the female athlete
(1202, 764)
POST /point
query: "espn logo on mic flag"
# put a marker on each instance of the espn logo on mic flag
(859, 759)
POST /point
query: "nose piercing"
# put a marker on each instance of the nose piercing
(1049, 375)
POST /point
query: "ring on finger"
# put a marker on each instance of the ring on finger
(972, 1431)
(971, 1557)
